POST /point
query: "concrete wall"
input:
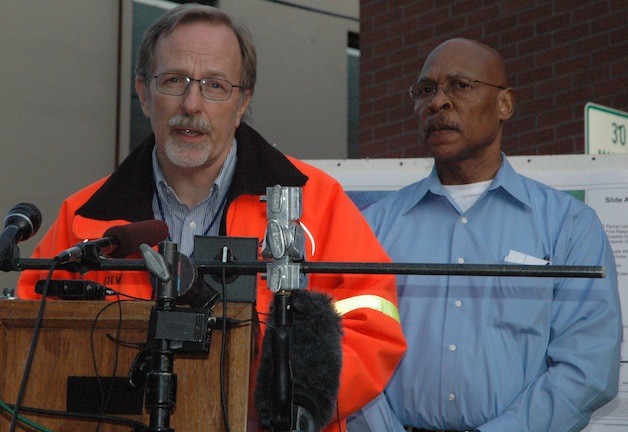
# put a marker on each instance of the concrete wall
(300, 100)
(58, 62)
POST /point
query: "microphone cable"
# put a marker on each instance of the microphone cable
(35, 426)
(31, 353)
(137, 426)
(223, 340)
(104, 399)
(15, 408)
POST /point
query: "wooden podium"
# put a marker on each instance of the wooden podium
(67, 348)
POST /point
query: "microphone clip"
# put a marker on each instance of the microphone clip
(89, 257)
(284, 241)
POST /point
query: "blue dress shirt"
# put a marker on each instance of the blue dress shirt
(498, 353)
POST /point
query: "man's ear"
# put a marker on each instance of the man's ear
(507, 99)
(141, 88)
(243, 105)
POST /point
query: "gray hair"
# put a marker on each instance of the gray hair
(191, 13)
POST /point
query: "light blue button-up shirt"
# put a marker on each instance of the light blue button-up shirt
(498, 353)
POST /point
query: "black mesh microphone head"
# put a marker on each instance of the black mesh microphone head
(316, 358)
(26, 217)
(130, 237)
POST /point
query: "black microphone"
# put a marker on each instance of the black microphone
(316, 360)
(21, 223)
(118, 241)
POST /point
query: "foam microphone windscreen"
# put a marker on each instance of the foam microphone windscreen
(316, 358)
(130, 237)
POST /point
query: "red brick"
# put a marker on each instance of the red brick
(535, 14)
(552, 86)
(554, 147)
(587, 12)
(499, 24)
(450, 26)
(571, 34)
(616, 19)
(537, 74)
(573, 97)
(608, 87)
(521, 63)
(535, 104)
(531, 45)
(574, 128)
(619, 68)
(609, 54)
(549, 55)
(508, 7)
(416, 7)
(555, 118)
(479, 16)
(553, 23)
(590, 43)
(520, 125)
(620, 36)
(517, 34)
(571, 65)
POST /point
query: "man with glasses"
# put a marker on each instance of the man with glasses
(491, 354)
(203, 172)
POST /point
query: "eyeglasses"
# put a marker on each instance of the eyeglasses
(454, 87)
(211, 88)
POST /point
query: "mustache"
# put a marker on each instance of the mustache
(439, 122)
(184, 121)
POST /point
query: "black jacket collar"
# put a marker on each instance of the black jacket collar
(128, 192)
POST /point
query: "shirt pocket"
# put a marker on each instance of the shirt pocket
(522, 305)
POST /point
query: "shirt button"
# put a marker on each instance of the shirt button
(452, 347)
(460, 260)
(463, 220)
(192, 225)
(458, 303)
(452, 396)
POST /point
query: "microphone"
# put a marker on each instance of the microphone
(316, 360)
(21, 223)
(118, 241)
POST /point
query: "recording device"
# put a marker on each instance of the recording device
(118, 241)
(73, 289)
(316, 360)
(21, 223)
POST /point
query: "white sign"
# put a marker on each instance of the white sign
(605, 129)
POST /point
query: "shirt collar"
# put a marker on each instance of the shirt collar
(506, 178)
(220, 187)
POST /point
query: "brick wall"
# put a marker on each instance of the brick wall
(560, 54)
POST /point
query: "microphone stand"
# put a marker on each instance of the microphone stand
(285, 244)
(168, 333)
(161, 385)
(254, 267)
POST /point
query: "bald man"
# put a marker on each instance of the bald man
(503, 354)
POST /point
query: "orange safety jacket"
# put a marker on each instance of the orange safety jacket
(373, 341)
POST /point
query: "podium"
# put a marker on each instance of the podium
(74, 338)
